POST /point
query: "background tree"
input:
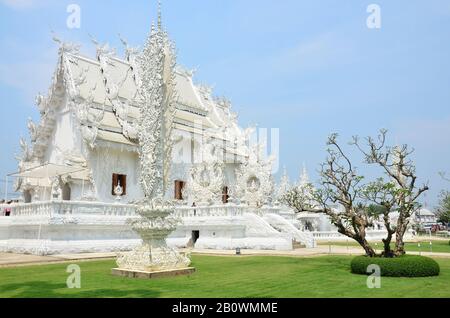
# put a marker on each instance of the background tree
(382, 198)
(402, 191)
(338, 197)
(443, 209)
(354, 207)
(444, 176)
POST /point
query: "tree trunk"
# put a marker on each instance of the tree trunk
(388, 252)
(367, 248)
(399, 243)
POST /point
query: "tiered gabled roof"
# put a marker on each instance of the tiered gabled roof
(93, 87)
(102, 93)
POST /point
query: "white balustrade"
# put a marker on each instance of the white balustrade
(50, 208)
(336, 236)
(210, 211)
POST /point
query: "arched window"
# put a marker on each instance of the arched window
(119, 179)
(179, 186)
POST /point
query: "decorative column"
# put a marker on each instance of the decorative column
(156, 91)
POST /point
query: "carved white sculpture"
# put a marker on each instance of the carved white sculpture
(118, 191)
(283, 186)
(254, 182)
(156, 222)
(56, 189)
(206, 179)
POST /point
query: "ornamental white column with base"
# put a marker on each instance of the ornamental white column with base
(156, 98)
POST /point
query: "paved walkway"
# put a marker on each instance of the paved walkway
(308, 252)
(14, 260)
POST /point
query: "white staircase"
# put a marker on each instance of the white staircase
(285, 227)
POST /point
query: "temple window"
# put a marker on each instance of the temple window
(179, 186)
(119, 179)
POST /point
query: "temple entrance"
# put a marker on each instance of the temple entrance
(27, 196)
(195, 236)
(66, 192)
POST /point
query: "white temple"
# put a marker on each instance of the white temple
(80, 175)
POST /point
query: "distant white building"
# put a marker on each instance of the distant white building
(425, 218)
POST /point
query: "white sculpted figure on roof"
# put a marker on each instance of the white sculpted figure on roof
(66, 46)
(121, 106)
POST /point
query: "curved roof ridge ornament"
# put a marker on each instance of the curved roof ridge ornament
(65, 46)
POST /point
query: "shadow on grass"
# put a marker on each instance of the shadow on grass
(39, 289)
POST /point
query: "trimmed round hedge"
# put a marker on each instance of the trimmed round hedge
(403, 266)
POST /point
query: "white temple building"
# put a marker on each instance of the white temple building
(79, 172)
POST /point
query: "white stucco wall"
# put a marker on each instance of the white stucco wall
(105, 162)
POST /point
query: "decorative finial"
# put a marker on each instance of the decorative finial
(304, 177)
(159, 16)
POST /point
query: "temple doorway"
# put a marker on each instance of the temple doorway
(195, 236)
(66, 192)
(27, 196)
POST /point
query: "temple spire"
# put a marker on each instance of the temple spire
(159, 16)
(304, 177)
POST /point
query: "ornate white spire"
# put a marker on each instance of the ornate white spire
(304, 177)
(284, 184)
(157, 108)
(157, 64)
(159, 16)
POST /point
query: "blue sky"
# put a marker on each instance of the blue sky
(309, 68)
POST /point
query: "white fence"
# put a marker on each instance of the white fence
(336, 236)
(50, 208)
(210, 211)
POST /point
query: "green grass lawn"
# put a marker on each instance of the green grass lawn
(220, 277)
(438, 246)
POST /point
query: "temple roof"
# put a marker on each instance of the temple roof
(87, 74)
(102, 94)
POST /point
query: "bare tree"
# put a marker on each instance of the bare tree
(338, 197)
(382, 199)
(402, 191)
(354, 207)
(444, 176)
